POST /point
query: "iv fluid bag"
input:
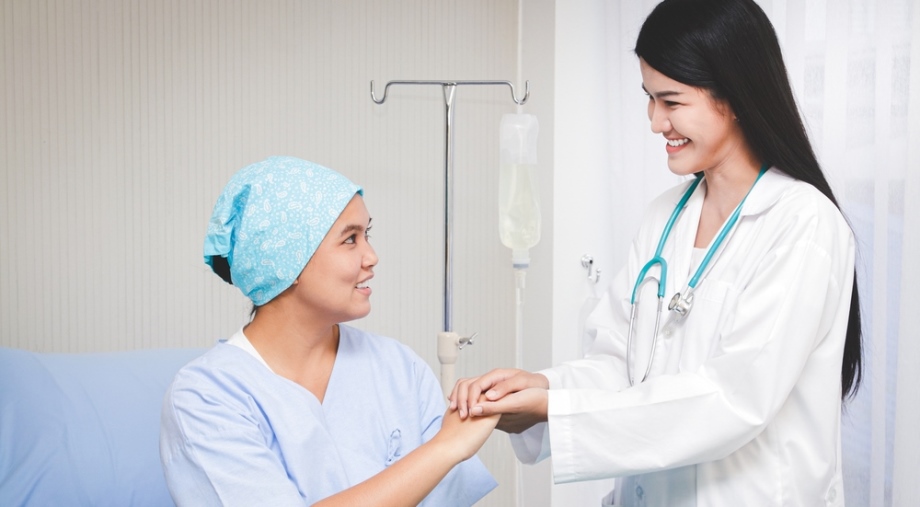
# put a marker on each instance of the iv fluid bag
(518, 193)
(518, 207)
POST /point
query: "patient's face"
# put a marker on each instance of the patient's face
(334, 284)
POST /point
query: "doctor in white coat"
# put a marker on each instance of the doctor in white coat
(734, 397)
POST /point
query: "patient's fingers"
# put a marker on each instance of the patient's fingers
(452, 398)
(464, 392)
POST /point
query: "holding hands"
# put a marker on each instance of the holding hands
(520, 397)
(464, 436)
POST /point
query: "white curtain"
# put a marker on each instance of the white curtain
(855, 69)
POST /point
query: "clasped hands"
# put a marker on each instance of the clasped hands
(520, 398)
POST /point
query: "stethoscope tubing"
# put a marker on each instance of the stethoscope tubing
(682, 301)
(657, 258)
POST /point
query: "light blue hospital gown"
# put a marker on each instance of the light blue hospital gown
(235, 433)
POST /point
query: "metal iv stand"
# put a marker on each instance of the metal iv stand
(449, 342)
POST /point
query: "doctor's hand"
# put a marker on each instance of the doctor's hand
(494, 385)
(519, 410)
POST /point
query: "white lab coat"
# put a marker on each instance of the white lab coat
(742, 405)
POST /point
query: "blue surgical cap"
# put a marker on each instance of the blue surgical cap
(269, 220)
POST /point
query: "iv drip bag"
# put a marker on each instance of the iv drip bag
(519, 203)
(518, 136)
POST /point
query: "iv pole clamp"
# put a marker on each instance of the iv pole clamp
(449, 342)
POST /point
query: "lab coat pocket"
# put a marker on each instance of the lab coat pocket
(712, 313)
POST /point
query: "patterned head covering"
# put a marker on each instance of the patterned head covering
(269, 220)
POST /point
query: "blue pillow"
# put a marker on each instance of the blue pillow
(83, 429)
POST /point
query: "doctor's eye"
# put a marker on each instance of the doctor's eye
(367, 234)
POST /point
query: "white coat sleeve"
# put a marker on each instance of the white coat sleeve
(603, 367)
(791, 303)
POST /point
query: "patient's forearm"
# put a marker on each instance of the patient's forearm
(404, 483)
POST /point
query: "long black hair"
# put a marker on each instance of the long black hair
(729, 47)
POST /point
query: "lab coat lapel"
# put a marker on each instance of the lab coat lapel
(767, 192)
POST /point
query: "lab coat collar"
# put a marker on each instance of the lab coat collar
(765, 194)
(771, 186)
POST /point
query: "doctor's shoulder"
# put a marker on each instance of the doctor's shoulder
(801, 204)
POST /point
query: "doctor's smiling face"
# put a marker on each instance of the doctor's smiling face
(701, 132)
(333, 286)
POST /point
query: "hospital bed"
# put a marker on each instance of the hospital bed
(83, 429)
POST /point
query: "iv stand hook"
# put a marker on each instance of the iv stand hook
(514, 97)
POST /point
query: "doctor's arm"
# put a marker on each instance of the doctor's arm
(775, 328)
(603, 367)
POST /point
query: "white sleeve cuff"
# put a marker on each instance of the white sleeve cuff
(532, 445)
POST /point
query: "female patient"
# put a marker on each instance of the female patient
(295, 408)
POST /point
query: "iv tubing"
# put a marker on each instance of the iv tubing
(520, 273)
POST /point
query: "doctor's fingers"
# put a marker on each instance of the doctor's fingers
(519, 410)
(467, 391)
(518, 382)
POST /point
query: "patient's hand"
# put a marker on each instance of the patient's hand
(465, 435)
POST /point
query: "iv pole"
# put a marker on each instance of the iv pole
(449, 342)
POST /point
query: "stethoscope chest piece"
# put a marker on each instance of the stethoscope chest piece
(681, 305)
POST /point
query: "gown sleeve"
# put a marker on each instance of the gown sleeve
(785, 317)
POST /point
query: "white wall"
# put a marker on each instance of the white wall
(582, 214)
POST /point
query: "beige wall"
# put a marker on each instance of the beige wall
(120, 122)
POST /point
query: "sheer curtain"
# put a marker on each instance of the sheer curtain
(855, 69)
(852, 75)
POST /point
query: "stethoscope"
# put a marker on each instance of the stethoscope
(682, 302)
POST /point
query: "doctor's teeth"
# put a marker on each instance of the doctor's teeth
(677, 142)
